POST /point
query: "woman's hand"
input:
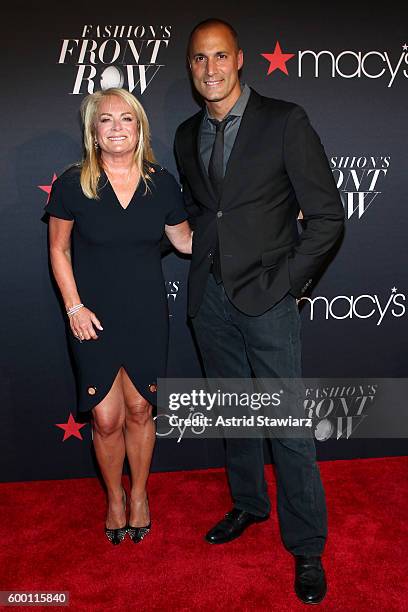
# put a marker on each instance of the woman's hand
(82, 324)
(180, 236)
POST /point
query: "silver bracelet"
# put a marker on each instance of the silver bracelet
(71, 311)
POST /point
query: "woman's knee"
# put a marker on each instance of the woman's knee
(138, 411)
(106, 426)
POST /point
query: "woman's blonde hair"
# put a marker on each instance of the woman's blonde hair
(91, 166)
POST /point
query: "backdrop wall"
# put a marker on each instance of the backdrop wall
(349, 70)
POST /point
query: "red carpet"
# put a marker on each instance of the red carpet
(52, 539)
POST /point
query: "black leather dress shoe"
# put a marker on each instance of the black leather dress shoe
(310, 582)
(232, 526)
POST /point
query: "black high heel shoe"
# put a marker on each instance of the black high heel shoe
(116, 536)
(136, 534)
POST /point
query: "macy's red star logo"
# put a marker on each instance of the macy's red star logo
(277, 60)
(71, 428)
(47, 188)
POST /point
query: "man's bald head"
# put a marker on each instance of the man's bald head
(210, 23)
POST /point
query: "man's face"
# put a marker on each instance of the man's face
(214, 62)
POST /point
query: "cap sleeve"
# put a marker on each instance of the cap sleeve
(58, 203)
(175, 211)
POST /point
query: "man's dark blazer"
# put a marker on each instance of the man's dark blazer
(276, 168)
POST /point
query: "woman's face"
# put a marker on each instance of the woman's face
(117, 129)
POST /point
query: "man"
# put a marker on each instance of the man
(248, 165)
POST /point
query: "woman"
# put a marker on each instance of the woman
(115, 206)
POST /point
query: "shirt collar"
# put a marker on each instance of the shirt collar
(240, 105)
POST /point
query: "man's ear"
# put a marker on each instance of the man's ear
(240, 58)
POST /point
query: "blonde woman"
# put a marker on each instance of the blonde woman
(114, 208)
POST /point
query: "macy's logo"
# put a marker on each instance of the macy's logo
(346, 65)
(361, 307)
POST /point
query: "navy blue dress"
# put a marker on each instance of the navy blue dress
(117, 268)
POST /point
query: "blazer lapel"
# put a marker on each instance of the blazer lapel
(199, 162)
(244, 136)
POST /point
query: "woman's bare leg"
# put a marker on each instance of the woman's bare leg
(109, 444)
(140, 436)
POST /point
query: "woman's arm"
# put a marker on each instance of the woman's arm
(180, 236)
(60, 254)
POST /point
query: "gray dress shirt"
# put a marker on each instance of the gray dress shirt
(207, 130)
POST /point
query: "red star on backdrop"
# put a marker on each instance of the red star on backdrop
(277, 59)
(71, 428)
(47, 188)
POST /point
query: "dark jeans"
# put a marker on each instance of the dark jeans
(235, 345)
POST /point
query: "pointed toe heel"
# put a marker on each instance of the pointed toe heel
(116, 536)
(137, 534)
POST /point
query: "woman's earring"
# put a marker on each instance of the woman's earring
(96, 144)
